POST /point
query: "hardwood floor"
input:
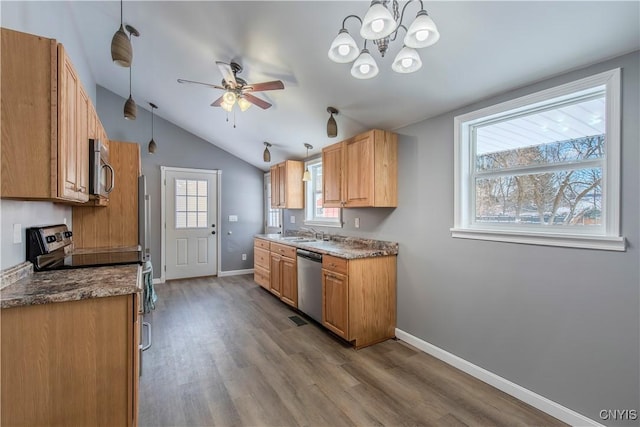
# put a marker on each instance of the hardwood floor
(225, 353)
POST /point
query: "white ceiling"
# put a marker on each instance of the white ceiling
(485, 48)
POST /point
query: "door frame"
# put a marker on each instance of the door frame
(163, 221)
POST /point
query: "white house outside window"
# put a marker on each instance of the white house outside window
(544, 168)
(315, 214)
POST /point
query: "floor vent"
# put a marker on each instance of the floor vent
(297, 320)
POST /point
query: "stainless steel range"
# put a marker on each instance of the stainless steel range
(51, 248)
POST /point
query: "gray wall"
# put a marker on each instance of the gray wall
(562, 322)
(27, 214)
(49, 20)
(241, 182)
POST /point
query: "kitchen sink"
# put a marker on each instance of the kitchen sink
(297, 239)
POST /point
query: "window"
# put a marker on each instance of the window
(315, 214)
(191, 203)
(544, 168)
(273, 216)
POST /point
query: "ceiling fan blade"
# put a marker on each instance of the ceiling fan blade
(258, 87)
(256, 101)
(217, 102)
(200, 83)
(227, 74)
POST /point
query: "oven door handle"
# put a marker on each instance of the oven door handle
(148, 346)
(113, 178)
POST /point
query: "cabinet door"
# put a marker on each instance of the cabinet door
(289, 281)
(359, 173)
(282, 185)
(275, 272)
(335, 303)
(332, 176)
(82, 145)
(275, 187)
(67, 127)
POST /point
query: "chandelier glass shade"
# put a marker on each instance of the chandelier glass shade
(231, 98)
(380, 26)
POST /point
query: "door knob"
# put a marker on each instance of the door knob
(213, 232)
(213, 225)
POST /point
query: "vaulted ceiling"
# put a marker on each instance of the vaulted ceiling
(485, 48)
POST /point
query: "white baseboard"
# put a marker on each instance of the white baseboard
(157, 281)
(537, 401)
(235, 272)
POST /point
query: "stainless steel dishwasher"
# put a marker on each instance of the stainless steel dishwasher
(310, 284)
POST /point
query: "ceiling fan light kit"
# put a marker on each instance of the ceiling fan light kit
(121, 51)
(380, 25)
(332, 126)
(236, 90)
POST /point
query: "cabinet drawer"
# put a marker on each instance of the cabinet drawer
(261, 257)
(261, 276)
(335, 264)
(284, 250)
(259, 243)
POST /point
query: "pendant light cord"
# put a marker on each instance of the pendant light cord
(152, 122)
(121, 16)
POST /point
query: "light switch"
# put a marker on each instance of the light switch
(233, 218)
(357, 222)
(292, 219)
(17, 233)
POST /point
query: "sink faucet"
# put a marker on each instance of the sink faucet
(314, 231)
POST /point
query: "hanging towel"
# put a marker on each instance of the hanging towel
(150, 296)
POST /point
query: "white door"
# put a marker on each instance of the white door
(191, 229)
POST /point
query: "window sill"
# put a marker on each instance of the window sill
(324, 224)
(605, 243)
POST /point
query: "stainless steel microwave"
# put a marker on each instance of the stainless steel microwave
(102, 177)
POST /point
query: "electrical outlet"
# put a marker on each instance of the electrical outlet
(292, 219)
(17, 233)
(357, 223)
(244, 257)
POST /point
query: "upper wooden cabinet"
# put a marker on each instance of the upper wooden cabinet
(361, 171)
(287, 189)
(46, 122)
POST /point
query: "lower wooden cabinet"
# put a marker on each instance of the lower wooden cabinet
(276, 269)
(71, 363)
(359, 298)
(261, 267)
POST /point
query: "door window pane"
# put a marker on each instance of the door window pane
(191, 203)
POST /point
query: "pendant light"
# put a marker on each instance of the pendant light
(121, 51)
(332, 126)
(152, 143)
(130, 108)
(266, 156)
(306, 176)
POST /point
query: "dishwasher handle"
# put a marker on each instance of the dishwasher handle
(312, 256)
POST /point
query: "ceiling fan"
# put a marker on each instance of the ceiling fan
(237, 89)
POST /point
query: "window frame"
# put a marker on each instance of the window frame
(268, 210)
(608, 237)
(309, 216)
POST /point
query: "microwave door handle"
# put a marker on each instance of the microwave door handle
(113, 178)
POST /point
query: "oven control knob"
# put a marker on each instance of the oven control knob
(67, 234)
(51, 239)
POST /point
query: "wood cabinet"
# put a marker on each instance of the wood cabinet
(71, 363)
(359, 298)
(115, 225)
(45, 122)
(287, 188)
(261, 263)
(284, 273)
(361, 171)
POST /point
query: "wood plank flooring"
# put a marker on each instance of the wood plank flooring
(225, 354)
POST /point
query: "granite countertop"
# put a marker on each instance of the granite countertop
(71, 285)
(339, 246)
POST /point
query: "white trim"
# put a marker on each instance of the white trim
(235, 272)
(158, 281)
(527, 396)
(605, 243)
(163, 185)
(608, 237)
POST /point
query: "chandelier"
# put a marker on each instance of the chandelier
(380, 25)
